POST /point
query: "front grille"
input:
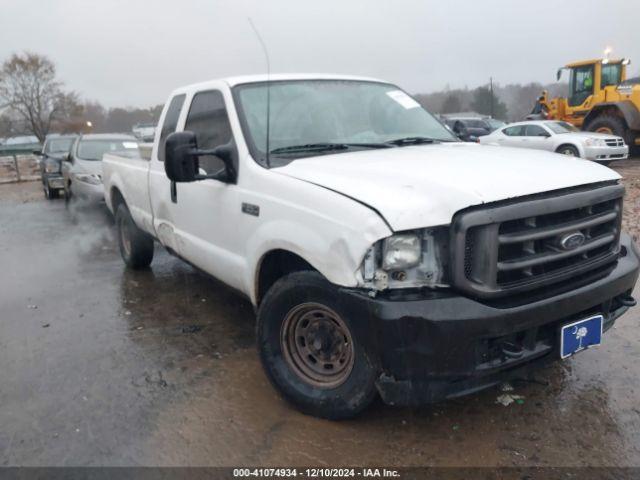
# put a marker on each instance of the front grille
(529, 244)
(614, 142)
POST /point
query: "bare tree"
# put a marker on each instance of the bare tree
(28, 87)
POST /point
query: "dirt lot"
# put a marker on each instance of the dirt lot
(104, 366)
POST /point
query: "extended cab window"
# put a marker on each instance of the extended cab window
(170, 122)
(209, 121)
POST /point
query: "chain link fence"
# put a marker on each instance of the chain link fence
(18, 166)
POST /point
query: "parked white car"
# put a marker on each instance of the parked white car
(382, 255)
(144, 131)
(560, 137)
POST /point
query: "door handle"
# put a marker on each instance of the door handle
(174, 192)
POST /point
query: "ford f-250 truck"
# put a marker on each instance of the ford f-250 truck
(382, 255)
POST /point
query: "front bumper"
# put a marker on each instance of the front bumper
(53, 180)
(88, 192)
(432, 346)
(606, 153)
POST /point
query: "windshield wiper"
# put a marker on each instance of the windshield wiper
(323, 147)
(401, 142)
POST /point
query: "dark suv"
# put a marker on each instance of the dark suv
(469, 129)
(55, 148)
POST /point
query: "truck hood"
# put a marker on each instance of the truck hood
(421, 186)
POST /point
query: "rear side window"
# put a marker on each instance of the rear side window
(209, 121)
(515, 131)
(170, 122)
(536, 131)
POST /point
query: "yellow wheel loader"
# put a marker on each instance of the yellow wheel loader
(600, 99)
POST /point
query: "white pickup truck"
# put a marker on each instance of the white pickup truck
(382, 255)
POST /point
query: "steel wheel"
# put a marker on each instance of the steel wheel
(317, 345)
(125, 236)
(568, 151)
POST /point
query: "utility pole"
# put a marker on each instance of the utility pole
(491, 90)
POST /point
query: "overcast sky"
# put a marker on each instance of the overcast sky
(134, 52)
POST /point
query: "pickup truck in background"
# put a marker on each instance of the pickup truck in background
(382, 255)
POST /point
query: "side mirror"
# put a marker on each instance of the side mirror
(180, 162)
(38, 153)
(181, 159)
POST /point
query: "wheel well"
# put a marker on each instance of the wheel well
(275, 265)
(567, 145)
(116, 199)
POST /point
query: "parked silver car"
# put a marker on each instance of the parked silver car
(82, 167)
(560, 137)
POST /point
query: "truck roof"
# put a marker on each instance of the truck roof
(274, 77)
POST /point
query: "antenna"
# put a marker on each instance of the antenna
(266, 56)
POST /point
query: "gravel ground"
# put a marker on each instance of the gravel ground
(100, 365)
(630, 171)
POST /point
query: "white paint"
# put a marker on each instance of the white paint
(329, 210)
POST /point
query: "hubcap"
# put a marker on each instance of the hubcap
(317, 345)
(569, 152)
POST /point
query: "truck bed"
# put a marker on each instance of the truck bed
(129, 175)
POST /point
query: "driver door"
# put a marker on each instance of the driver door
(206, 211)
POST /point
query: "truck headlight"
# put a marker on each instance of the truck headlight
(90, 178)
(51, 167)
(418, 258)
(401, 251)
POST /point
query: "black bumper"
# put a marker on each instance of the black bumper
(53, 180)
(431, 346)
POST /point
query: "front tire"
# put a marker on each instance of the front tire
(568, 150)
(310, 348)
(136, 246)
(49, 193)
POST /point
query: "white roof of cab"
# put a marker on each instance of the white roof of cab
(274, 77)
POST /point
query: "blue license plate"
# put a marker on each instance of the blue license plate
(580, 335)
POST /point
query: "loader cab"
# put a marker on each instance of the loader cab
(581, 84)
(588, 82)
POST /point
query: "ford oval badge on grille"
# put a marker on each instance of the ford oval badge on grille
(572, 240)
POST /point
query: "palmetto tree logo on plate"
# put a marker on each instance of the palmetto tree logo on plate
(580, 333)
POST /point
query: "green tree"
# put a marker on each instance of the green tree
(481, 103)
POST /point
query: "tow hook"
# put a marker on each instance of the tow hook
(512, 350)
(627, 301)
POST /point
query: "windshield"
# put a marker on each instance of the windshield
(94, 149)
(59, 145)
(561, 127)
(312, 112)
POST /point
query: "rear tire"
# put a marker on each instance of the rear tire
(136, 246)
(310, 350)
(568, 150)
